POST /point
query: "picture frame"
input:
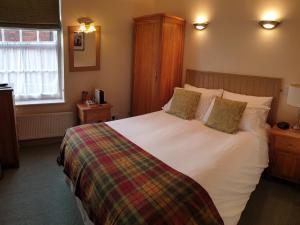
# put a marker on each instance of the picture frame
(72, 51)
(78, 42)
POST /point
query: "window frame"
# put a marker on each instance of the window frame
(60, 63)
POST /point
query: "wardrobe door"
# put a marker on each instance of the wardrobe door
(172, 57)
(147, 38)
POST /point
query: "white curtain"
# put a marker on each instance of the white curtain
(32, 70)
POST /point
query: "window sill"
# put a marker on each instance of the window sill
(39, 102)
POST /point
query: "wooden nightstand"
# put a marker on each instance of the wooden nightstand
(285, 154)
(94, 114)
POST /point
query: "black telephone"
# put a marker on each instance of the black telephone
(283, 125)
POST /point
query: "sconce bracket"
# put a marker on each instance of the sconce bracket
(85, 20)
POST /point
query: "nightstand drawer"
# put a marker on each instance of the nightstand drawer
(285, 154)
(94, 114)
(286, 166)
(97, 116)
(287, 144)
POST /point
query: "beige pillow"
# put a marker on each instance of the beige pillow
(226, 115)
(184, 103)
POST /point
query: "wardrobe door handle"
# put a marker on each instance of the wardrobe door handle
(156, 75)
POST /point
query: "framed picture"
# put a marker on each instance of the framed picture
(78, 41)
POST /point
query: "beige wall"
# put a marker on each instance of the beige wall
(234, 42)
(115, 19)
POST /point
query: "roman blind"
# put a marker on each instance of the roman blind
(40, 14)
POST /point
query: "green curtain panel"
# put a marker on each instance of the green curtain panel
(40, 14)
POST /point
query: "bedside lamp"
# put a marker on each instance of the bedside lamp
(293, 99)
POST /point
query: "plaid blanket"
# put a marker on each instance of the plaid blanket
(120, 183)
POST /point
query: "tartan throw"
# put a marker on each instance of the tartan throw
(120, 183)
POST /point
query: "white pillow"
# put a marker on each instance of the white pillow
(254, 117)
(251, 100)
(206, 116)
(207, 95)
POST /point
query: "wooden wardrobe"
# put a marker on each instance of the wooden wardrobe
(157, 61)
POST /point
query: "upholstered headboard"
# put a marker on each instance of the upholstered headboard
(248, 85)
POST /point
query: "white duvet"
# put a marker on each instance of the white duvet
(227, 166)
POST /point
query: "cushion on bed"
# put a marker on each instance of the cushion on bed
(184, 103)
(226, 115)
(207, 95)
(167, 106)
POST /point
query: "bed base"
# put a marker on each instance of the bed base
(85, 218)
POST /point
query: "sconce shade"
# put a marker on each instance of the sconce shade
(82, 27)
(200, 26)
(92, 28)
(293, 98)
(86, 25)
(269, 24)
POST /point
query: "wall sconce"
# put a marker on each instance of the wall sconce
(200, 26)
(86, 25)
(269, 24)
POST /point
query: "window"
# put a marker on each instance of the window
(30, 61)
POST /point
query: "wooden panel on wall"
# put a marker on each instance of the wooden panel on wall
(242, 84)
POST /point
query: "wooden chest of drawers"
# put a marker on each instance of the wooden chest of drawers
(285, 154)
(9, 149)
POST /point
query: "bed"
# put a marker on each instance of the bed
(227, 166)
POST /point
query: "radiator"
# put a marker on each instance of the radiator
(37, 126)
